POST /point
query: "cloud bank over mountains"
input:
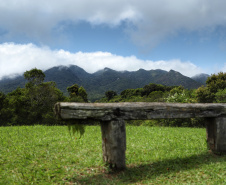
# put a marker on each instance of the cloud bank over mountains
(17, 58)
(148, 22)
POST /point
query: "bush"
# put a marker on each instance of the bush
(215, 84)
(180, 95)
(221, 96)
(110, 94)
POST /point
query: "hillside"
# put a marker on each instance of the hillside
(98, 83)
(201, 78)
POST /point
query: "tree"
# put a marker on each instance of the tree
(110, 94)
(214, 84)
(178, 90)
(156, 96)
(82, 93)
(221, 96)
(152, 87)
(77, 94)
(34, 77)
(2, 99)
(204, 95)
(46, 96)
(18, 107)
(4, 116)
(42, 99)
(73, 90)
(34, 103)
(128, 93)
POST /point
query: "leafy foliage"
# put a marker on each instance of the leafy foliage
(34, 77)
(221, 96)
(128, 93)
(4, 112)
(180, 95)
(32, 104)
(214, 83)
(160, 93)
(147, 89)
(76, 128)
(77, 94)
(98, 83)
(83, 94)
(110, 94)
(204, 95)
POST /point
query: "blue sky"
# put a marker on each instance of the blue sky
(187, 36)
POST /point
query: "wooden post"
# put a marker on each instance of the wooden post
(114, 143)
(216, 134)
(112, 116)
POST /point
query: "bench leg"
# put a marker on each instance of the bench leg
(114, 143)
(216, 134)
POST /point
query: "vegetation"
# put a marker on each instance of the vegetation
(34, 103)
(43, 154)
(110, 94)
(214, 90)
(98, 83)
(159, 93)
(155, 155)
(77, 94)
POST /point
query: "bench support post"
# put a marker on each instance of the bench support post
(114, 143)
(216, 134)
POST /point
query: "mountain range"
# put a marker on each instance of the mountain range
(96, 84)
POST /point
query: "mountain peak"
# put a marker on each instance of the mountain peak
(107, 69)
(173, 71)
(61, 67)
(201, 75)
(201, 78)
(141, 69)
(98, 83)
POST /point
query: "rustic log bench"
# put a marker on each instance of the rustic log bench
(112, 116)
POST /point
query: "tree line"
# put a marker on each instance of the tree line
(213, 92)
(34, 103)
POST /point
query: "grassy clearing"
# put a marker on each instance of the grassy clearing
(155, 155)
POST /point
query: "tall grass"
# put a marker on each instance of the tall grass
(155, 155)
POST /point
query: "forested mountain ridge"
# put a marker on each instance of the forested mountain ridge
(201, 78)
(96, 84)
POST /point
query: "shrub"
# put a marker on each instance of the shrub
(221, 96)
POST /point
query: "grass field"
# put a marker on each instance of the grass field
(155, 155)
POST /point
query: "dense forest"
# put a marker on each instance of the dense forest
(34, 103)
(96, 84)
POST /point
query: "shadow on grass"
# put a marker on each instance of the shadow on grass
(137, 173)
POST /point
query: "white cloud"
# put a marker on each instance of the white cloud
(152, 20)
(15, 58)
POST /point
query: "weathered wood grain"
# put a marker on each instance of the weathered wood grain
(137, 110)
(114, 143)
(112, 116)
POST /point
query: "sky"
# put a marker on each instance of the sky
(188, 36)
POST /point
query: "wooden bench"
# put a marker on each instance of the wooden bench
(112, 116)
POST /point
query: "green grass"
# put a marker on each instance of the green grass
(155, 155)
